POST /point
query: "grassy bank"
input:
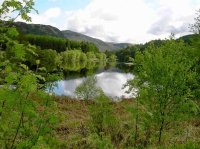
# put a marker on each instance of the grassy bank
(73, 130)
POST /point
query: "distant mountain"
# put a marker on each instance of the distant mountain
(40, 29)
(121, 45)
(99, 43)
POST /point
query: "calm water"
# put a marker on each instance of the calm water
(111, 81)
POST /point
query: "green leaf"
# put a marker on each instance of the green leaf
(25, 67)
(11, 78)
(12, 32)
(28, 83)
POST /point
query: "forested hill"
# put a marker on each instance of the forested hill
(125, 54)
(191, 39)
(39, 29)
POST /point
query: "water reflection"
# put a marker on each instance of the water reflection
(111, 82)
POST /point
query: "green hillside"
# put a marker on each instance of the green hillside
(40, 29)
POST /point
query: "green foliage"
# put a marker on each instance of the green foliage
(88, 47)
(73, 60)
(163, 78)
(102, 118)
(88, 89)
(112, 58)
(45, 42)
(15, 51)
(27, 113)
(91, 56)
(83, 59)
(20, 113)
(103, 124)
(90, 65)
(124, 54)
(2, 56)
(167, 80)
(49, 59)
(74, 55)
(22, 9)
(194, 42)
(12, 32)
(101, 57)
(58, 44)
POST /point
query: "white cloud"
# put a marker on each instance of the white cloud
(52, 13)
(132, 20)
(173, 16)
(47, 17)
(110, 19)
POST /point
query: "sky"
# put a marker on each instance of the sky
(132, 21)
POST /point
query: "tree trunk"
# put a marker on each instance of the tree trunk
(20, 122)
(161, 131)
(3, 104)
(17, 131)
(42, 124)
(136, 124)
